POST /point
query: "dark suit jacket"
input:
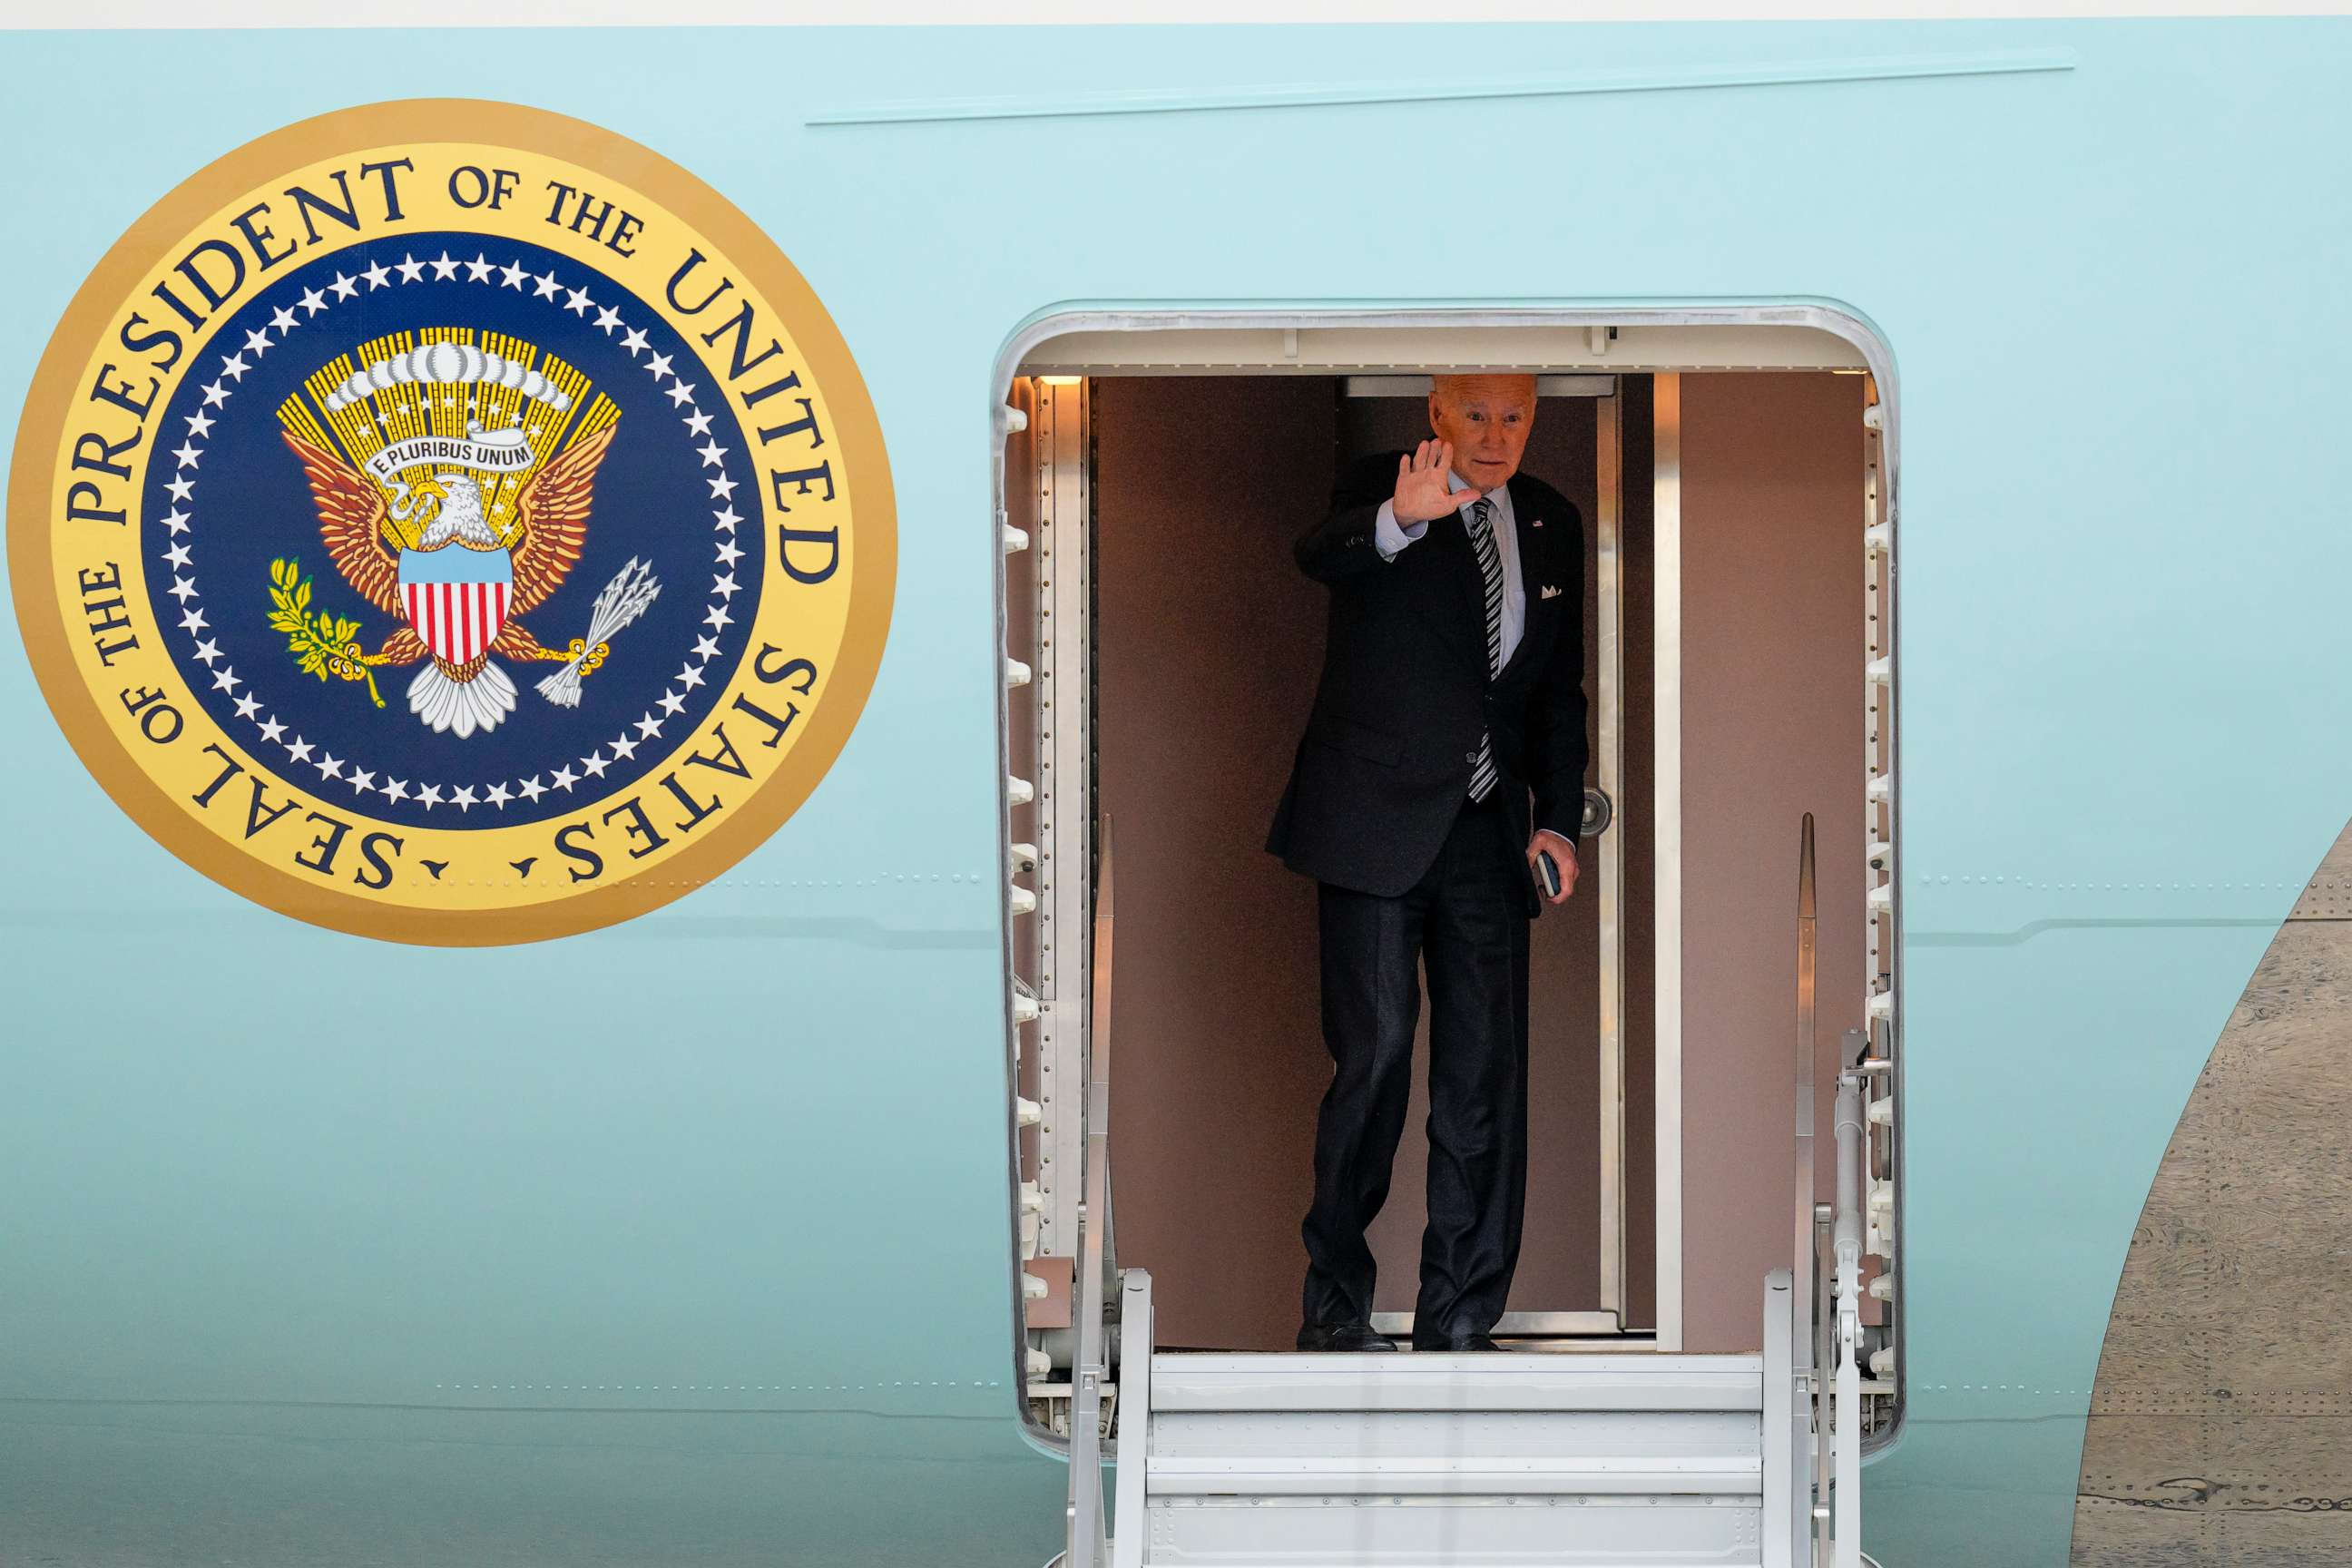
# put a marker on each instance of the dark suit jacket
(1386, 760)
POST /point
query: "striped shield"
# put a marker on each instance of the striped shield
(457, 598)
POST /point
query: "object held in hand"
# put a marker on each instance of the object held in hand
(1546, 873)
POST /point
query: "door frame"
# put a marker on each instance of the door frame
(1662, 340)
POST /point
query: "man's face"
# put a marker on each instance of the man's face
(1486, 417)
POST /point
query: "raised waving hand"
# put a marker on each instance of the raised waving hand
(1420, 487)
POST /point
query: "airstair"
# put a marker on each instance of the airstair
(1414, 1460)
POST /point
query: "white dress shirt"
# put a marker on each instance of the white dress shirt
(1390, 538)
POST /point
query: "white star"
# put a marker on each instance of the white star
(729, 552)
(344, 286)
(445, 268)
(247, 706)
(199, 423)
(233, 366)
(532, 789)
(377, 275)
(301, 750)
(498, 797)
(189, 454)
(648, 726)
(176, 521)
(681, 391)
(313, 300)
(182, 589)
(544, 287)
(464, 799)
(705, 648)
(411, 269)
(513, 274)
(225, 679)
(394, 789)
(271, 729)
(726, 520)
(563, 778)
(633, 340)
(595, 764)
(257, 341)
(180, 489)
(361, 779)
(208, 650)
(282, 320)
(625, 748)
(607, 318)
(429, 796)
(717, 618)
(725, 587)
(215, 394)
(697, 423)
(330, 766)
(671, 703)
(577, 302)
(178, 554)
(478, 270)
(722, 488)
(690, 677)
(194, 620)
(659, 365)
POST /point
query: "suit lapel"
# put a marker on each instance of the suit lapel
(1458, 608)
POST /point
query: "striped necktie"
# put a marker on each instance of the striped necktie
(1490, 567)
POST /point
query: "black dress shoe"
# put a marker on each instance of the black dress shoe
(1342, 1337)
(1455, 1342)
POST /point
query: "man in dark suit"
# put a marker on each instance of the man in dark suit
(1452, 688)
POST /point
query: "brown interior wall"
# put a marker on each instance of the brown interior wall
(1208, 642)
(1772, 727)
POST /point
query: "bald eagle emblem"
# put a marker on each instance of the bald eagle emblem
(458, 532)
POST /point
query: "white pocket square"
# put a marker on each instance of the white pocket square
(1550, 593)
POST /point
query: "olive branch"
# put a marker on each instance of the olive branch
(326, 645)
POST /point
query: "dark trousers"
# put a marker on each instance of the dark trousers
(1467, 921)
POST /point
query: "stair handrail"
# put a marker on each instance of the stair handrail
(1090, 1360)
(1824, 1323)
(1845, 1402)
(1793, 1359)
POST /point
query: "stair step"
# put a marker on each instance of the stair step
(1504, 1532)
(1320, 1475)
(1181, 1382)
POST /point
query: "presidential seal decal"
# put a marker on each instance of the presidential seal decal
(450, 522)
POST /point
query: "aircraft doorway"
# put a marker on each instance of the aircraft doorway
(1207, 642)
(1171, 658)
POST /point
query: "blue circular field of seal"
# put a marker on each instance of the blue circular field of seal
(489, 464)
